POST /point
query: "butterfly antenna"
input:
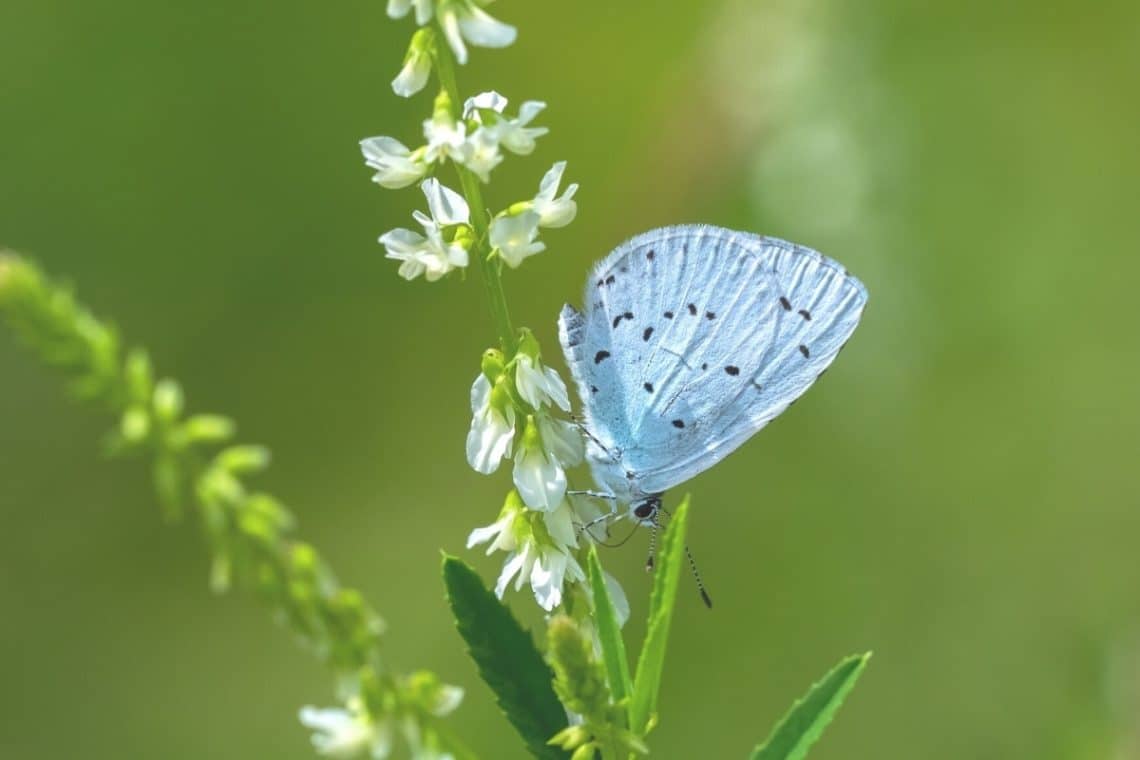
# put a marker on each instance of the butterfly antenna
(697, 577)
(652, 545)
(693, 567)
(586, 527)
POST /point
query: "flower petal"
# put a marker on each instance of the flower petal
(489, 101)
(562, 440)
(540, 481)
(413, 76)
(485, 31)
(447, 206)
(511, 567)
(450, 23)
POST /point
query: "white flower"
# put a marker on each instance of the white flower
(546, 569)
(464, 20)
(449, 697)
(481, 153)
(447, 207)
(562, 440)
(549, 574)
(492, 428)
(445, 139)
(503, 534)
(515, 135)
(538, 474)
(539, 555)
(555, 212)
(395, 165)
(429, 254)
(400, 8)
(539, 385)
(513, 236)
(417, 65)
(618, 597)
(484, 101)
(346, 733)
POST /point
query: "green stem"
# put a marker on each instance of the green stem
(490, 269)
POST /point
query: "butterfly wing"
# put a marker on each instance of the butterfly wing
(693, 338)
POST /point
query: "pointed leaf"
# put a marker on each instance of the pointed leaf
(647, 683)
(804, 723)
(609, 632)
(507, 659)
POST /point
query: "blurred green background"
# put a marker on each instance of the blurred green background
(960, 493)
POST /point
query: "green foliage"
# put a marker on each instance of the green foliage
(808, 717)
(507, 659)
(578, 679)
(249, 532)
(651, 662)
(609, 632)
(581, 684)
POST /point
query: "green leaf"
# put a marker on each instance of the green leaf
(507, 659)
(609, 632)
(804, 723)
(652, 660)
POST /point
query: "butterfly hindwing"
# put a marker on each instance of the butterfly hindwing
(704, 335)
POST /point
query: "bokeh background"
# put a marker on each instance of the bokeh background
(960, 494)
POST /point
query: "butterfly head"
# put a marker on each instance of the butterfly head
(646, 509)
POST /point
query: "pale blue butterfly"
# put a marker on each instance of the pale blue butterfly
(692, 339)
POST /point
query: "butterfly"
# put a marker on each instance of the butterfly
(691, 340)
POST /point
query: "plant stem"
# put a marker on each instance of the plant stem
(490, 270)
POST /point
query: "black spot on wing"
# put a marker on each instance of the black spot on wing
(620, 317)
(610, 280)
(678, 423)
(593, 389)
(646, 335)
(709, 315)
(785, 303)
(668, 315)
(648, 387)
(805, 314)
(600, 356)
(804, 351)
(650, 254)
(734, 371)
(693, 309)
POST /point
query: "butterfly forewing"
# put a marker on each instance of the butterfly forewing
(693, 338)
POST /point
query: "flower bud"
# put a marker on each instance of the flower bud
(417, 64)
(528, 344)
(168, 400)
(135, 425)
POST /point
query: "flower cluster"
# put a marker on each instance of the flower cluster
(462, 21)
(352, 730)
(512, 418)
(516, 400)
(475, 141)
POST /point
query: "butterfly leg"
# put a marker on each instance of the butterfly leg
(594, 495)
(605, 518)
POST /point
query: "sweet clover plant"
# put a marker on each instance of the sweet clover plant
(578, 696)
